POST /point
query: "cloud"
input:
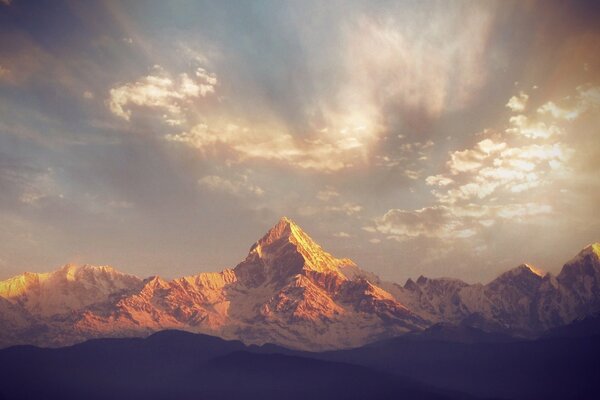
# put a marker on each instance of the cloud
(342, 235)
(428, 221)
(161, 91)
(236, 187)
(27, 185)
(587, 98)
(472, 159)
(499, 178)
(382, 64)
(269, 143)
(327, 194)
(514, 169)
(519, 211)
(523, 125)
(438, 180)
(347, 208)
(411, 63)
(518, 103)
(451, 223)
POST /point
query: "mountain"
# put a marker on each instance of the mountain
(181, 365)
(549, 368)
(520, 302)
(291, 292)
(288, 291)
(583, 327)
(70, 289)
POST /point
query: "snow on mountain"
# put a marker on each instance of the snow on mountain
(71, 288)
(303, 292)
(435, 299)
(291, 292)
(521, 301)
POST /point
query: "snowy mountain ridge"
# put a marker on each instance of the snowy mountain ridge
(291, 292)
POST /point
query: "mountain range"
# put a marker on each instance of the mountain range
(430, 365)
(289, 291)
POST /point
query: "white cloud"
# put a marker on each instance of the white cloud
(411, 174)
(327, 194)
(342, 235)
(498, 179)
(524, 210)
(489, 147)
(522, 125)
(268, 143)
(438, 180)
(465, 160)
(453, 222)
(514, 169)
(587, 98)
(237, 187)
(40, 187)
(518, 103)
(346, 208)
(161, 91)
(428, 221)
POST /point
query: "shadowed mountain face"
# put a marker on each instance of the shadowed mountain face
(178, 365)
(289, 291)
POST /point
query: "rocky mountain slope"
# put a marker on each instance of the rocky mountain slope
(291, 292)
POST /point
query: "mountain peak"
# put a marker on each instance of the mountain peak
(531, 269)
(286, 231)
(586, 262)
(284, 251)
(523, 269)
(591, 249)
(285, 228)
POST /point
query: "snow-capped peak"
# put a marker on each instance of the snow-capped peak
(285, 230)
(69, 288)
(286, 244)
(20, 284)
(524, 269)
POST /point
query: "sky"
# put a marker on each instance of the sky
(449, 138)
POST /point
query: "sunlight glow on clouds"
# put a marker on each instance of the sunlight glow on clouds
(518, 103)
(270, 143)
(588, 98)
(481, 183)
(162, 92)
